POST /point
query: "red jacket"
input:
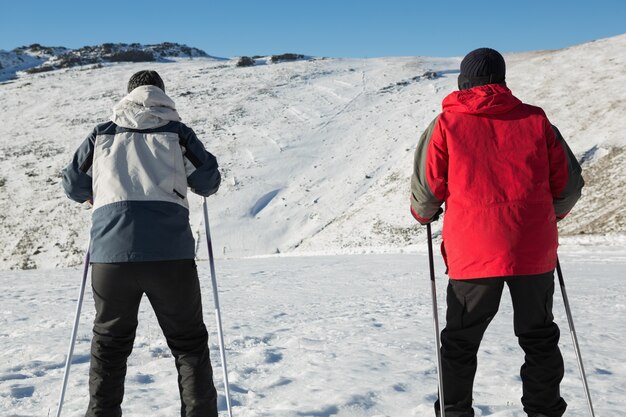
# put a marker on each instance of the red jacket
(505, 175)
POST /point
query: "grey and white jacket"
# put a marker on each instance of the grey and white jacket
(136, 170)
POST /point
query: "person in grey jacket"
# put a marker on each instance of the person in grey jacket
(135, 170)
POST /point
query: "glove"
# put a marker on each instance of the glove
(423, 221)
(436, 216)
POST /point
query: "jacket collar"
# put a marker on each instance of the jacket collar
(146, 107)
(484, 99)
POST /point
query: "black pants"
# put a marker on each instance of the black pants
(472, 304)
(173, 290)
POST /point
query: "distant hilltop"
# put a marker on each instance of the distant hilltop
(36, 58)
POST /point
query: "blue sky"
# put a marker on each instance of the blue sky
(322, 28)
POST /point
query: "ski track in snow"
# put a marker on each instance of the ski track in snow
(346, 336)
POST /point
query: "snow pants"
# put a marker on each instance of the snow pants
(173, 290)
(472, 304)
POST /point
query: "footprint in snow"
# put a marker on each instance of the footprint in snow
(143, 379)
(237, 388)
(78, 359)
(272, 356)
(326, 412)
(252, 341)
(22, 391)
(400, 387)
(40, 368)
(364, 402)
(282, 381)
(11, 377)
(160, 352)
(221, 402)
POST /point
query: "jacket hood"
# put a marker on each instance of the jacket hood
(146, 107)
(484, 99)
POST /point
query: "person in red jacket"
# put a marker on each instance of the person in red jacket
(506, 177)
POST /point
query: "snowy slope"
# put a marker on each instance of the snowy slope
(344, 336)
(12, 62)
(316, 155)
(583, 90)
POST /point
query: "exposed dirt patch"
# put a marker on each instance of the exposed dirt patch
(601, 208)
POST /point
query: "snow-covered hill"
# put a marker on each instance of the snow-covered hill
(316, 154)
(36, 58)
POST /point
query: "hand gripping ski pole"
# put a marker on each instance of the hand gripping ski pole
(218, 316)
(435, 318)
(570, 321)
(68, 360)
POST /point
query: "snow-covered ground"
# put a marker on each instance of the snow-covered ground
(315, 155)
(346, 336)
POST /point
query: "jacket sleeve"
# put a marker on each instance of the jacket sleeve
(203, 176)
(430, 172)
(566, 180)
(77, 177)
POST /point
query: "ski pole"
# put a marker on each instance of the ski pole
(218, 316)
(570, 321)
(68, 361)
(435, 318)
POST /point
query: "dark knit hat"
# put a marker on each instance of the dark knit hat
(482, 66)
(145, 77)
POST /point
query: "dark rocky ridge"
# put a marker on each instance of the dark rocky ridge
(36, 58)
